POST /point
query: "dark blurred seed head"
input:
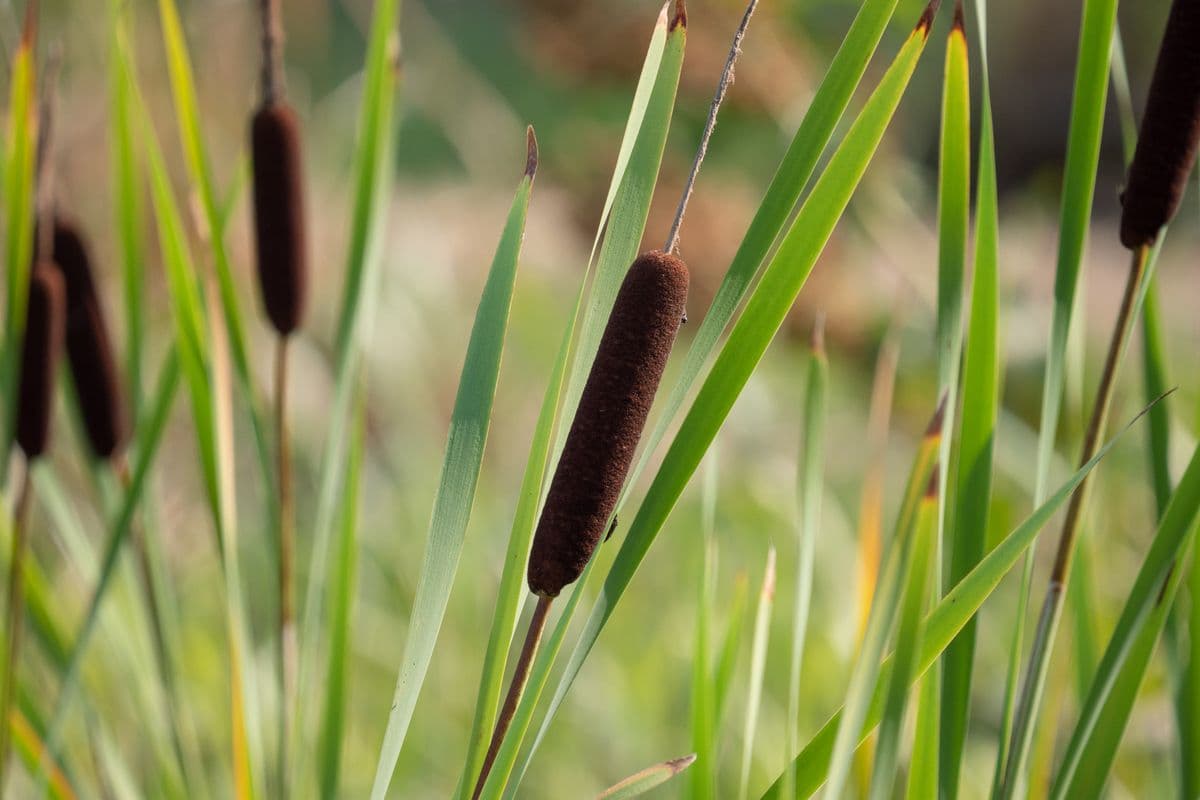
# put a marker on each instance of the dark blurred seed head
(279, 215)
(1170, 133)
(608, 423)
(41, 350)
(89, 346)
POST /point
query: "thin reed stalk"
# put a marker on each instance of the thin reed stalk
(287, 536)
(14, 608)
(1034, 680)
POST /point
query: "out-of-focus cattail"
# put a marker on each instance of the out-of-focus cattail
(1170, 132)
(279, 215)
(40, 353)
(609, 421)
(89, 347)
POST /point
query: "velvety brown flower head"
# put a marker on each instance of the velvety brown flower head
(41, 350)
(1170, 133)
(279, 215)
(608, 423)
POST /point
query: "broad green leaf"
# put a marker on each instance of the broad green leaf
(981, 396)
(767, 307)
(1089, 755)
(469, 425)
(954, 610)
(650, 778)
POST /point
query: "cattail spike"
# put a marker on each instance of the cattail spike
(1170, 132)
(40, 354)
(608, 423)
(89, 347)
(279, 216)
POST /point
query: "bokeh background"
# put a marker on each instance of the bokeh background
(475, 72)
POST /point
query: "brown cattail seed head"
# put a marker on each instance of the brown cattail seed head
(608, 423)
(89, 347)
(40, 352)
(279, 215)
(1170, 133)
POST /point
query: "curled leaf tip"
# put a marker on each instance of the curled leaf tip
(926, 20)
(680, 18)
(531, 152)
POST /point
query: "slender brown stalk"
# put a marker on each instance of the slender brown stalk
(15, 611)
(287, 535)
(723, 84)
(272, 52)
(537, 624)
(1034, 680)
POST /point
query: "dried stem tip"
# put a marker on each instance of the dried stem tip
(609, 421)
(40, 353)
(1170, 133)
(89, 346)
(279, 215)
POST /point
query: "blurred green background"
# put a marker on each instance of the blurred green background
(474, 74)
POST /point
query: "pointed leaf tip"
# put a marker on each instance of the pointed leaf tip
(680, 18)
(926, 20)
(531, 150)
(959, 26)
(29, 26)
(678, 765)
(939, 417)
(817, 342)
(931, 488)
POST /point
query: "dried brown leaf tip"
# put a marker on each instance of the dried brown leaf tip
(89, 347)
(41, 351)
(925, 23)
(608, 423)
(934, 429)
(1170, 132)
(279, 215)
(531, 153)
(680, 17)
(959, 25)
(29, 25)
(932, 487)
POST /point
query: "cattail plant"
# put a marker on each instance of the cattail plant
(41, 350)
(1164, 157)
(578, 513)
(283, 280)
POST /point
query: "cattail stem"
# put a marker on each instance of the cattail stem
(537, 625)
(272, 52)
(723, 85)
(287, 623)
(1034, 680)
(15, 612)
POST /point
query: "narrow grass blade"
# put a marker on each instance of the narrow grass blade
(630, 208)
(1089, 754)
(796, 168)
(758, 664)
(702, 783)
(981, 396)
(650, 778)
(342, 591)
(373, 165)
(127, 203)
(809, 484)
(954, 610)
(20, 160)
(891, 725)
(766, 309)
(469, 426)
(731, 649)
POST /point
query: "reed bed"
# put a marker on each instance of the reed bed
(233, 568)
